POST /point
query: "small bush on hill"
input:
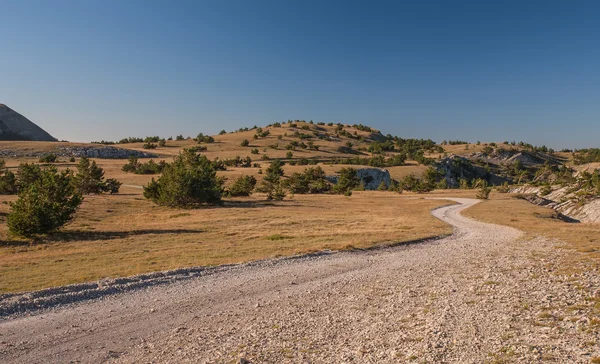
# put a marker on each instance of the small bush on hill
(201, 138)
(245, 143)
(149, 145)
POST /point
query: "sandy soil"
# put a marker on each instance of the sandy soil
(480, 295)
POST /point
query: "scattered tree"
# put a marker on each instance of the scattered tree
(188, 182)
(44, 205)
(347, 181)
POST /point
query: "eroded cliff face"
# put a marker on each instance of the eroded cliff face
(563, 200)
(14, 126)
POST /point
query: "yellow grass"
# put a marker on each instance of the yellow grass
(124, 234)
(504, 209)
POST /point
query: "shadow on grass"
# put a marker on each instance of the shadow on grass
(108, 235)
(252, 204)
(78, 235)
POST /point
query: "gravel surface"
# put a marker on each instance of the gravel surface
(479, 295)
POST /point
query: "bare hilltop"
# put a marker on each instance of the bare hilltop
(14, 126)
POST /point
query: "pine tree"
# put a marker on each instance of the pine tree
(189, 181)
(271, 183)
(89, 178)
(45, 204)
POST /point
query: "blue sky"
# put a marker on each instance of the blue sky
(470, 70)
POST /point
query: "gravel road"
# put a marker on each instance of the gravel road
(482, 294)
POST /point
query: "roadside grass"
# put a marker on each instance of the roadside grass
(504, 209)
(121, 235)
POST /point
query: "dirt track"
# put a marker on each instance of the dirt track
(478, 295)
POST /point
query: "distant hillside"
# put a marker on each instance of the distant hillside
(14, 126)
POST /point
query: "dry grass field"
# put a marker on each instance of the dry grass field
(124, 234)
(505, 209)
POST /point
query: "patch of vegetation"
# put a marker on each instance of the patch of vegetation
(484, 190)
(243, 186)
(149, 145)
(260, 133)
(277, 237)
(347, 182)
(8, 180)
(583, 156)
(90, 179)
(201, 138)
(271, 183)
(149, 167)
(48, 158)
(312, 180)
(44, 205)
(412, 183)
(188, 182)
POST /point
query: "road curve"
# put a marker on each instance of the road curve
(375, 306)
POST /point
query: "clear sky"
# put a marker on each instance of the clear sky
(470, 70)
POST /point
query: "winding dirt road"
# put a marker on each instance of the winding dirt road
(471, 297)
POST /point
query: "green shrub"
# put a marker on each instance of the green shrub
(271, 183)
(504, 188)
(414, 184)
(201, 138)
(72, 159)
(27, 174)
(89, 178)
(149, 145)
(484, 190)
(112, 186)
(149, 167)
(243, 186)
(48, 158)
(245, 143)
(347, 181)
(545, 190)
(312, 180)
(8, 180)
(44, 205)
(189, 181)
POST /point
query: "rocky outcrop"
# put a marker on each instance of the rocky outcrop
(14, 126)
(105, 152)
(102, 152)
(454, 168)
(563, 200)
